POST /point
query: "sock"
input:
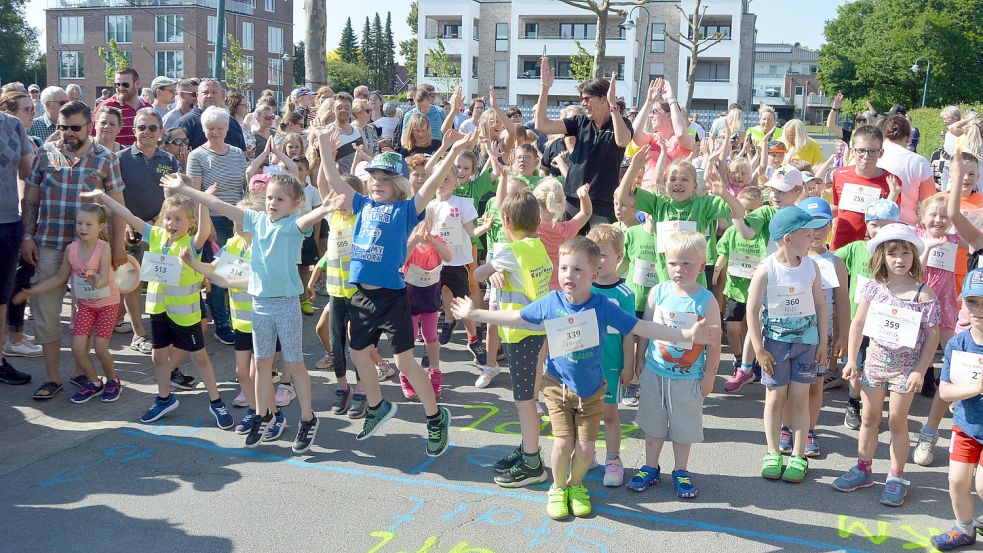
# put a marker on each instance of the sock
(376, 406)
(865, 465)
(531, 460)
(746, 367)
(965, 527)
(216, 401)
(611, 457)
(896, 473)
(163, 398)
(472, 339)
(853, 402)
(435, 417)
(929, 432)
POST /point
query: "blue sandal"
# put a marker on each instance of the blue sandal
(644, 477)
(683, 484)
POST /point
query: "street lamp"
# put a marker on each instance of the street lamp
(628, 25)
(928, 71)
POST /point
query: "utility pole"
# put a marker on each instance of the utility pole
(219, 40)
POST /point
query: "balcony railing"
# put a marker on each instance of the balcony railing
(541, 36)
(818, 101)
(432, 36)
(234, 6)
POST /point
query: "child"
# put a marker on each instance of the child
(87, 264)
(553, 230)
(640, 246)
(676, 376)
(787, 327)
(903, 334)
(857, 186)
(573, 386)
(740, 175)
(959, 383)
(619, 350)
(173, 303)
(275, 286)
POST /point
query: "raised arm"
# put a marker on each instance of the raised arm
(958, 167)
(204, 220)
(457, 101)
(443, 169)
(622, 136)
(288, 164)
(543, 123)
(831, 120)
(508, 126)
(464, 308)
(448, 140)
(175, 184)
(624, 194)
(120, 210)
(680, 126)
(329, 178)
(586, 208)
(257, 164)
(641, 137)
(331, 202)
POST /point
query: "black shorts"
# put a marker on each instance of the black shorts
(165, 333)
(734, 311)
(244, 341)
(457, 280)
(374, 312)
(308, 252)
(11, 235)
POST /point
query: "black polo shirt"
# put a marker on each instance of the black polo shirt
(141, 174)
(596, 159)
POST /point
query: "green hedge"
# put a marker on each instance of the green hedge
(930, 125)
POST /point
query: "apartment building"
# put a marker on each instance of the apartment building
(175, 38)
(785, 78)
(498, 43)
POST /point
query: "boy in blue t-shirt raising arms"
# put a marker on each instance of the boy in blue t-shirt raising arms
(573, 387)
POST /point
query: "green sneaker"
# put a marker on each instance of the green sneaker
(556, 504)
(579, 501)
(437, 433)
(503, 465)
(771, 467)
(374, 418)
(795, 472)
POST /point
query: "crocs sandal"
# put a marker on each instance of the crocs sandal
(683, 484)
(795, 472)
(47, 391)
(771, 466)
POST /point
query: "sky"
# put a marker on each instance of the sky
(776, 22)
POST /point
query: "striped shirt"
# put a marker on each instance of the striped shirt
(61, 180)
(126, 137)
(42, 126)
(227, 170)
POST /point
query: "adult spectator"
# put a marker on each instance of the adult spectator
(238, 108)
(767, 120)
(601, 141)
(323, 93)
(20, 105)
(669, 126)
(349, 136)
(16, 155)
(176, 143)
(35, 92)
(734, 118)
(109, 121)
(868, 117)
(52, 99)
(950, 116)
(695, 126)
(361, 92)
(104, 95)
(417, 137)
(61, 171)
(422, 98)
(127, 101)
(74, 92)
(301, 100)
(361, 115)
(389, 121)
(914, 171)
(800, 146)
(265, 117)
(376, 102)
(186, 100)
(163, 90)
(475, 110)
(210, 94)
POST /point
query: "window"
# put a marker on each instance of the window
(799, 91)
(772, 69)
(247, 36)
(813, 69)
(474, 68)
(70, 64)
(249, 98)
(170, 63)
(71, 30)
(247, 62)
(452, 31)
(532, 30)
(621, 71)
(714, 71)
(169, 28)
(274, 43)
(210, 61)
(563, 70)
(578, 30)
(119, 28)
(658, 38)
(501, 73)
(276, 70)
(530, 69)
(212, 28)
(271, 6)
(501, 38)
(715, 31)
(656, 70)
(474, 30)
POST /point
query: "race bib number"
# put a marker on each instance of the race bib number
(856, 197)
(233, 267)
(84, 291)
(678, 320)
(791, 301)
(340, 243)
(161, 268)
(965, 367)
(857, 293)
(571, 334)
(827, 272)
(644, 273)
(742, 265)
(422, 278)
(666, 229)
(452, 235)
(943, 257)
(892, 325)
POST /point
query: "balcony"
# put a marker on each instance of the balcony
(817, 101)
(244, 8)
(444, 28)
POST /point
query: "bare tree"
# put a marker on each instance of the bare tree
(315, 54)
(602, 9)
(695, 43)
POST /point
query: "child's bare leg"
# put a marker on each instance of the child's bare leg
(897, 422)
(870, 421)
(775, 399)
(798, 400)
(653, 450)
(80, 350)
(301, 380)
(960, 484)
(244, 370)
(264, 386)
(105, 358)
(680, 453)
(583, 456)
(206, 371)
(563, 447)
(407, 364)
(612, 431)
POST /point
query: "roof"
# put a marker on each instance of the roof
(784, 52)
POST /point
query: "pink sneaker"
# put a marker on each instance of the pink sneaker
(436, 377)
(737, 381)
(614, 473)
(404, 383)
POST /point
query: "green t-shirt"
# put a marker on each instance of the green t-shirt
(613, 355)
(496, 233)
(479, 190)
(639, 244)
(736, 287)
(759, 219)
(857, 259)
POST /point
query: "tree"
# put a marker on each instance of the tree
(695, 42)
(348, 48)
(389, 57)
(366, 51)
(299, 72)
(581, 64)
(236, 72)
(447, 72)
(377, 69)
(315, 57)
(602, 9)
(114, 59)
(346, 76)
(20, 43)
(408, 48)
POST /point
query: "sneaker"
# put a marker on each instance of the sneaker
(812, 445)
(487, 374)
(182, 381)
(437, 433)
(221, 413)
(160, 408)
(895, 490)
(504, 464)
(404, 384)
(925, 449)
(795, 470)
(260, 427)
(853, 479)
(520, 474)
(629, 396)
(614, 473)
(342, 398)
(771, 466)
(374, 418)
(478, 350)
(446, 330)
(278, 421)
(682, 482)
(240, 400)
(644, 477)
(357, 408)
(436, 378)
(89, 391)
(785, 440)
(852, 417)
(247, 423)
(122, 328)
(832, 380)
(736, 382)
(284, 395)
(385, 370)
(325, 362)
(24, 348)
(425, 361)
(579, 501)
(141, 344)
(307, 308)
(225, 335)
(305, 435)
(111, 390)
(557, 505)
(952, 539)
(10, 375)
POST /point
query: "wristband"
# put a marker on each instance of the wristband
(27, 237)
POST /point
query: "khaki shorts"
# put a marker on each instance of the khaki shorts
(571, 415)
(46, 307)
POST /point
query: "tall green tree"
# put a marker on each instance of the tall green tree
(378, 68)
(300, 73)
(581, 64)
(408, 47)
(236, 72)
(348, 48)
(389, 57)
(366, 49)
(602, 9)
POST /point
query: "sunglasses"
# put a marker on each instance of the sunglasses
(177, 141)
(73, 128)
(269, 117)
(151, 128)
(122, 85)
(192, 94)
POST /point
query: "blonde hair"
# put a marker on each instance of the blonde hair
(101, 214)
(685, 166)
(485, 123)
(325, 111)
(252, 201)
(291, 137)
(938, 198)
(795, 135)
(182, 202)
(549, 194)
(401, 184)
(687, 241)
(740, 164)
(878, 260)
(735, 120)
(972, 140)
(608, 234)
(581, 245)
(417, 120)
(750, 193)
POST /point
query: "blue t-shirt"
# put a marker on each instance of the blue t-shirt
(968, 413)
(666, 359)
(379, 241)
(273, 254)
(580, 371)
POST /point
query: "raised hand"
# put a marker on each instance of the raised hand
(654, 91)
(95, 194)
(457, 101)
(492, 102)
(462, 308)
(612, 96)
(838, 100)
(583, 191)
(546, 73)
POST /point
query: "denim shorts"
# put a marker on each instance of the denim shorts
(794, 362)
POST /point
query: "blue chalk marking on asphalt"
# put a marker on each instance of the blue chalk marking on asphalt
(430, 460)
(432, 484)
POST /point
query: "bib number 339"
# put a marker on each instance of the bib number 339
(572, 333)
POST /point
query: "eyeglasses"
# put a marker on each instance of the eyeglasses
(269, 117)
(151, 128)
(189, 93)
(873, 152)
(177, 141)
(122, 85)
(73, 128)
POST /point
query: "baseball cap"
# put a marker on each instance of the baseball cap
(777, 147)
(790, 219)
(389, 162)
(302, 91)
(34, 88)
(973, 285)
(817, 208)
(883, 210)
(162, 81)
(896, 231)
(809, 176)
(785, 179)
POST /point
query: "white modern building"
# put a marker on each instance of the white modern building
(785, 78)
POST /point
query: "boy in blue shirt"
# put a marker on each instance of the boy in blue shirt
(574, 386)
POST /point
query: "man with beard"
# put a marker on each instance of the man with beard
(210, 93)
(127, 100)
(349, 137)
(64, 167)
(185, 101)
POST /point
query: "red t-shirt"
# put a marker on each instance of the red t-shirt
(126, 136)
(850, 193)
